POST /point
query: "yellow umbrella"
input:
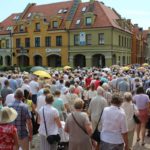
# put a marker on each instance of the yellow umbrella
(126, 68)
(42, 73)
(141, 69)
(67, 67)
(145, 64)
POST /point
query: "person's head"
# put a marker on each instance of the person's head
(116, 99)
(46, 91)
(71, 89)
(57, 93)
(79, 103)
(105, 86)
(7, 115)
(128, 96)
(6, 82)
(92, 86)
(18, 94)
(100, 90)
(26, 94)
(49, 99)
(140, 90)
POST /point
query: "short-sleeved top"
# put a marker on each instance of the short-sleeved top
(114, 123)
(141, 101)
(50, 114)
(78, 139)
(58, 104)
(21, 120)
(7, 132)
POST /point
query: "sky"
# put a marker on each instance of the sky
(137, 11)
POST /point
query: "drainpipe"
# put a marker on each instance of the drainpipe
(68, 47)
(112, 29)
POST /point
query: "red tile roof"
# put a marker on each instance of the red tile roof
(7, 22)
(105, 16)
(50, 10)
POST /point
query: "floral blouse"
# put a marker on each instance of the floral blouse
(7, 132)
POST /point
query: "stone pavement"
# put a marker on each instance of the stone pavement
(136, 145)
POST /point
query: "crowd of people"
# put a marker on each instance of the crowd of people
(71, 105)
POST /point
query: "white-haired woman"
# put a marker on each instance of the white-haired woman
(130, 109)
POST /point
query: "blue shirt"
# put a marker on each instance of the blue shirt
(23, 115)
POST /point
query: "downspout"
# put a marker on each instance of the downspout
(112, 29)
(69, 47)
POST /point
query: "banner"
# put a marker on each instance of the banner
(82, 38)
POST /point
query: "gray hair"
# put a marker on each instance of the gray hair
(100, 90)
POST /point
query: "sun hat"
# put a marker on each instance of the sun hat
(7, 115)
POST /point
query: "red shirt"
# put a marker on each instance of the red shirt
(7, 132)
(88, 81)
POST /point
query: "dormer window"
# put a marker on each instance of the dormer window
(88, 21)
(21, 28)
(78, 21)
(37, 27)
(8, 28)
(65, 10)
(83, 9)
(55, 24)
(60, 11)
(16, 17)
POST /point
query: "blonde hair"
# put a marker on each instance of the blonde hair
(128, 96)
(78, 103)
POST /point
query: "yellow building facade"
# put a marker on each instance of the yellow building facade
(40, 42)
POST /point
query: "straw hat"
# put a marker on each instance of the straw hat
(7, 115)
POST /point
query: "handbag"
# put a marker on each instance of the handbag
(135, 118)
(52, 139)
(96, 134)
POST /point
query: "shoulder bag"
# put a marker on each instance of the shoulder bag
(96, 134)
(52, 139)
(79, 124)
(135, 117)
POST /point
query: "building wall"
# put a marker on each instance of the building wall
(108, 49)
(43, 51)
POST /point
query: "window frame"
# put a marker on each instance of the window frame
(27, 43)
(88, 39)
(101, 39)
(48, 41)
(18, 42)
(87, 22)
(59, 40)
(37, 41)
(54, 24)
(76, 42)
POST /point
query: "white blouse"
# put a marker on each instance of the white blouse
(50, 113)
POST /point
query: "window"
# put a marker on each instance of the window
(65, 11)
(18, 43)
(21, 28)
(101, 39)
(76, 39)
(88, 21)
(60, 11)
(47, 41)
(122, 41)
(37, 27)
(27, 42)
(29, 15)
(37, 41)
(58, 40)
(83, 9)
(55, 24)
(78, 22)
(7, 43)
(88, 39)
